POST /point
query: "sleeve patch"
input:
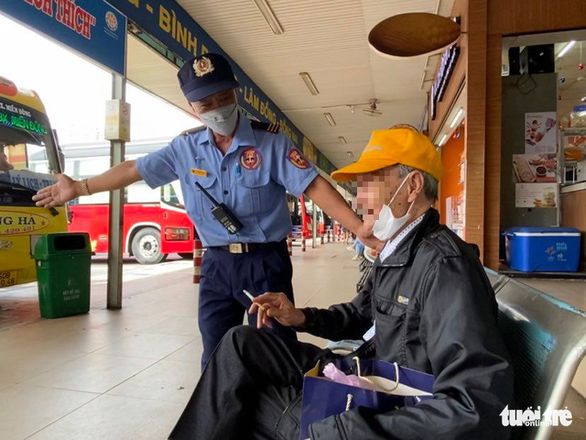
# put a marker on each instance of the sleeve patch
(296, 158)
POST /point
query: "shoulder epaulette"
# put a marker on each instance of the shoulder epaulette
(265, 126)
(193, 130)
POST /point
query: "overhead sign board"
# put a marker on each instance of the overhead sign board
(92, 27)
(447, 66)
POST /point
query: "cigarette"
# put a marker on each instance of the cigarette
(249, 295)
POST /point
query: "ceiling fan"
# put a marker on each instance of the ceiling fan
(372, 110)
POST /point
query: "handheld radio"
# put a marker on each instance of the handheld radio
(221, 212)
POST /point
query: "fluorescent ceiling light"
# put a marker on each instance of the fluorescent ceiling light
(443, 140)
(350, 154)
(309, 83)
(330, 119)
(566, 48)
(342, 140)
(269, 16)
(457, 117)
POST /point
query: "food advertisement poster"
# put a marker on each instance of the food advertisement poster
(535, 195)
(535, 168)
(540, 133)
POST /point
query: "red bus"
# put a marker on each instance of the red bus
(302, 216)
(155, 221)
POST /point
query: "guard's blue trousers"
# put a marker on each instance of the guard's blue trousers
(222, 303)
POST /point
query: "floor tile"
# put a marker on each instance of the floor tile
(23, 363)
(27, 409)
(96, 373)
(189, 353)
(116, 418)
(168, 381)
(147, 346)
(178, 325)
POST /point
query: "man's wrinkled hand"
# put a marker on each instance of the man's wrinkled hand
(276, 306)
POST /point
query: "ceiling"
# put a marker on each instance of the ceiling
(327, 39)
(155, 74)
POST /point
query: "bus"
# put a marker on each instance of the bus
(155, 221)
(25, 132)
(301, 211)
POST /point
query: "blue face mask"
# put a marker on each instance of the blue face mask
(222, 120)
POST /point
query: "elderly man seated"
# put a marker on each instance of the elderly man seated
(433, 308)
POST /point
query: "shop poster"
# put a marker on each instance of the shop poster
(535, 195)
(535, 168)
(541, 133)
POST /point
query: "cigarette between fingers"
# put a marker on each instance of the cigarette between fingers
(249, 295)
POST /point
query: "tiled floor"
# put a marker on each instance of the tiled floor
(127, 374)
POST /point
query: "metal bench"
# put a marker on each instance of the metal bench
(546, 339)
(496, 280)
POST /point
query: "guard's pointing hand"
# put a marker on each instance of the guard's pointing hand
(58, 194)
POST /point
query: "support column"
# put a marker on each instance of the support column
(314, 228)
(116, 219)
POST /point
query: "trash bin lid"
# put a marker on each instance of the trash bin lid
(62, 244)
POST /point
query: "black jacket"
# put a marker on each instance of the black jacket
(436, 312)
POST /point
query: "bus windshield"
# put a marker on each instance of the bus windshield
(24, 133)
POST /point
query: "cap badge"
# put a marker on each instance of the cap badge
(202, 66)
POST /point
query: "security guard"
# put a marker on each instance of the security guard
(234, 174)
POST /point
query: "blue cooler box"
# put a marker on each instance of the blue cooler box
(543, 249)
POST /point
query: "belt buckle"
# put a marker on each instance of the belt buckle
(236, 248)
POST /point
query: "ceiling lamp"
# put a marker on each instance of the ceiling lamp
(566, 48)
(269, 16)
(330, 119)
(457, 117)
(309, 83)
(443, 140)
(342, 140)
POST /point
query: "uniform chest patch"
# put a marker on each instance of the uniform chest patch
(402, 300)
(296, 158)
(250, 159)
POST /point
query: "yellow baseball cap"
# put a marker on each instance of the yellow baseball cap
(401, 145)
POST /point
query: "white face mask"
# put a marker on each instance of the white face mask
(387, 224)
(222, 120)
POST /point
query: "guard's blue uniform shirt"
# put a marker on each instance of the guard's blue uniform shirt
(250, 179)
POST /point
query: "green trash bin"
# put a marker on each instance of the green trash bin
(63, 262)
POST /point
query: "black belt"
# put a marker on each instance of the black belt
(245, 248)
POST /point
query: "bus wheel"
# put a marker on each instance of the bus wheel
(146, 246)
